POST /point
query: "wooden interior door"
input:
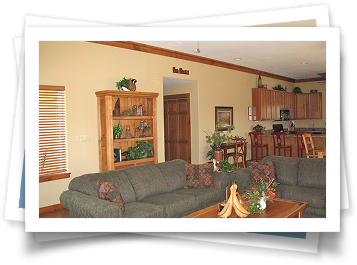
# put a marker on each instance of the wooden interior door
(177, 126)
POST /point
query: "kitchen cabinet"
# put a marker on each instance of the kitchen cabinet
(267, 104)
(314, 106)
(301, 106)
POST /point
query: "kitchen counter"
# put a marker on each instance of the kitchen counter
(319, 142)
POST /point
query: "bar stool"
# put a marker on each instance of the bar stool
(256, 144)
(300, 143)
(280, 143)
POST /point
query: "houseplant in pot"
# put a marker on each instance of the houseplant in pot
(117, 131)
(258, 128)
(141, 150)
(216, 139)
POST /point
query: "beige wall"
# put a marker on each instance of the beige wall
(84, 68)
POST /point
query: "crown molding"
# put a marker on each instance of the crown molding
(189, 57)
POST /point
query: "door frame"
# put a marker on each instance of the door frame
(187, 96)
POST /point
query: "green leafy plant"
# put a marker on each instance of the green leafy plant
(216, 139)
(117, 131)
(279, 87)
(123, 83)
(226, 167)
(141, 150)
(297, 90)
(258, 128)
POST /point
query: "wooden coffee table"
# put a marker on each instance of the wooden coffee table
(281, 208)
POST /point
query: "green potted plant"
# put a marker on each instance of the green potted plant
(226, 167)
(117, 131)
(141, 150)
(216, 139)
(126, 84)
(258, 128)
(297, 90)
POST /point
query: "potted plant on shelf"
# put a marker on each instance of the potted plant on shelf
(141, 150)
(117, 131)
(216, 139)
(297, 90)
(126, 84)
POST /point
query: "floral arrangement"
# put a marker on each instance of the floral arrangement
(143, 125)
(259, 193)
(258, 128)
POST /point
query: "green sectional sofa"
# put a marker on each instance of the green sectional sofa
(157, 190)
(301, 179)
(148, 191)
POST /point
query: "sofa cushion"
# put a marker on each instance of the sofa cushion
(286, 168)
(316, 198)
(174, 173)
(143, 210)
(199, 176)
(265, 170)
(108, 191)
(173, 204)
(87, 183)
(312, 172)
(204, 197)
(147, 180)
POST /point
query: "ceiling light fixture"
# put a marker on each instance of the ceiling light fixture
(237, 59)
(198, 48)
(304, 63)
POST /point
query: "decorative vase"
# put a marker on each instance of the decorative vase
(262, 204)
(218, 154)
(260, 83)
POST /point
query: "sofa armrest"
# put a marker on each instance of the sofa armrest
(221, 180)
(242, 179)
(86, 206)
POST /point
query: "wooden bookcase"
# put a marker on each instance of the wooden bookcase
(107, 120)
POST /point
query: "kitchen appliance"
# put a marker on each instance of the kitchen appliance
(284, 115)
(278, 128)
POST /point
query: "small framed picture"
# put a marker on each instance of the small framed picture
(223, 117)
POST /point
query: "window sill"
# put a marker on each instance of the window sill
(54, 177)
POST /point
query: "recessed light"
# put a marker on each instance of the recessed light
(270, 67)
(237, 59)
(291, 74)
(304, 63)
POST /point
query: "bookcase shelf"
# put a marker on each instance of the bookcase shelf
(109, 102)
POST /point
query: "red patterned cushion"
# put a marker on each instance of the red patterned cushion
(199, 176)
(266, 170)
(108, 191)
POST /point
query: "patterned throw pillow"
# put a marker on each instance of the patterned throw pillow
(199, 176)
(266, 170)
(108, 191)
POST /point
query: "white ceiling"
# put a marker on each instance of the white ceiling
(286, 58)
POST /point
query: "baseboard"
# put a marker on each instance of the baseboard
(51, 208)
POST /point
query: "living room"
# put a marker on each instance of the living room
(85, 68)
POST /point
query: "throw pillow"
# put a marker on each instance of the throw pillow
(265, 170)
(199, 176)
(108, 191)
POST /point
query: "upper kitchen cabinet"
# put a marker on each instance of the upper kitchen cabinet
(315, 106)
(267, 104)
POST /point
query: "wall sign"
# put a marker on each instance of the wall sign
(180, 71)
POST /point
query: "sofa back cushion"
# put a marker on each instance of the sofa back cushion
(174, 173)
(312, 172)
(87, 183)
(147, 180)
(286, 168)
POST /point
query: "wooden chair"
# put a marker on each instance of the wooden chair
(300, 143)
(280, 143)
(256, 145)
(240, 152)
(311, 152)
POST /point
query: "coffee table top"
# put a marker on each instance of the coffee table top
(281, 208)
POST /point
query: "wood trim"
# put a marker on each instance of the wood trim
(188, 57)
(54, 177)
(60, 88)
(310, 79)
(51, 208)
